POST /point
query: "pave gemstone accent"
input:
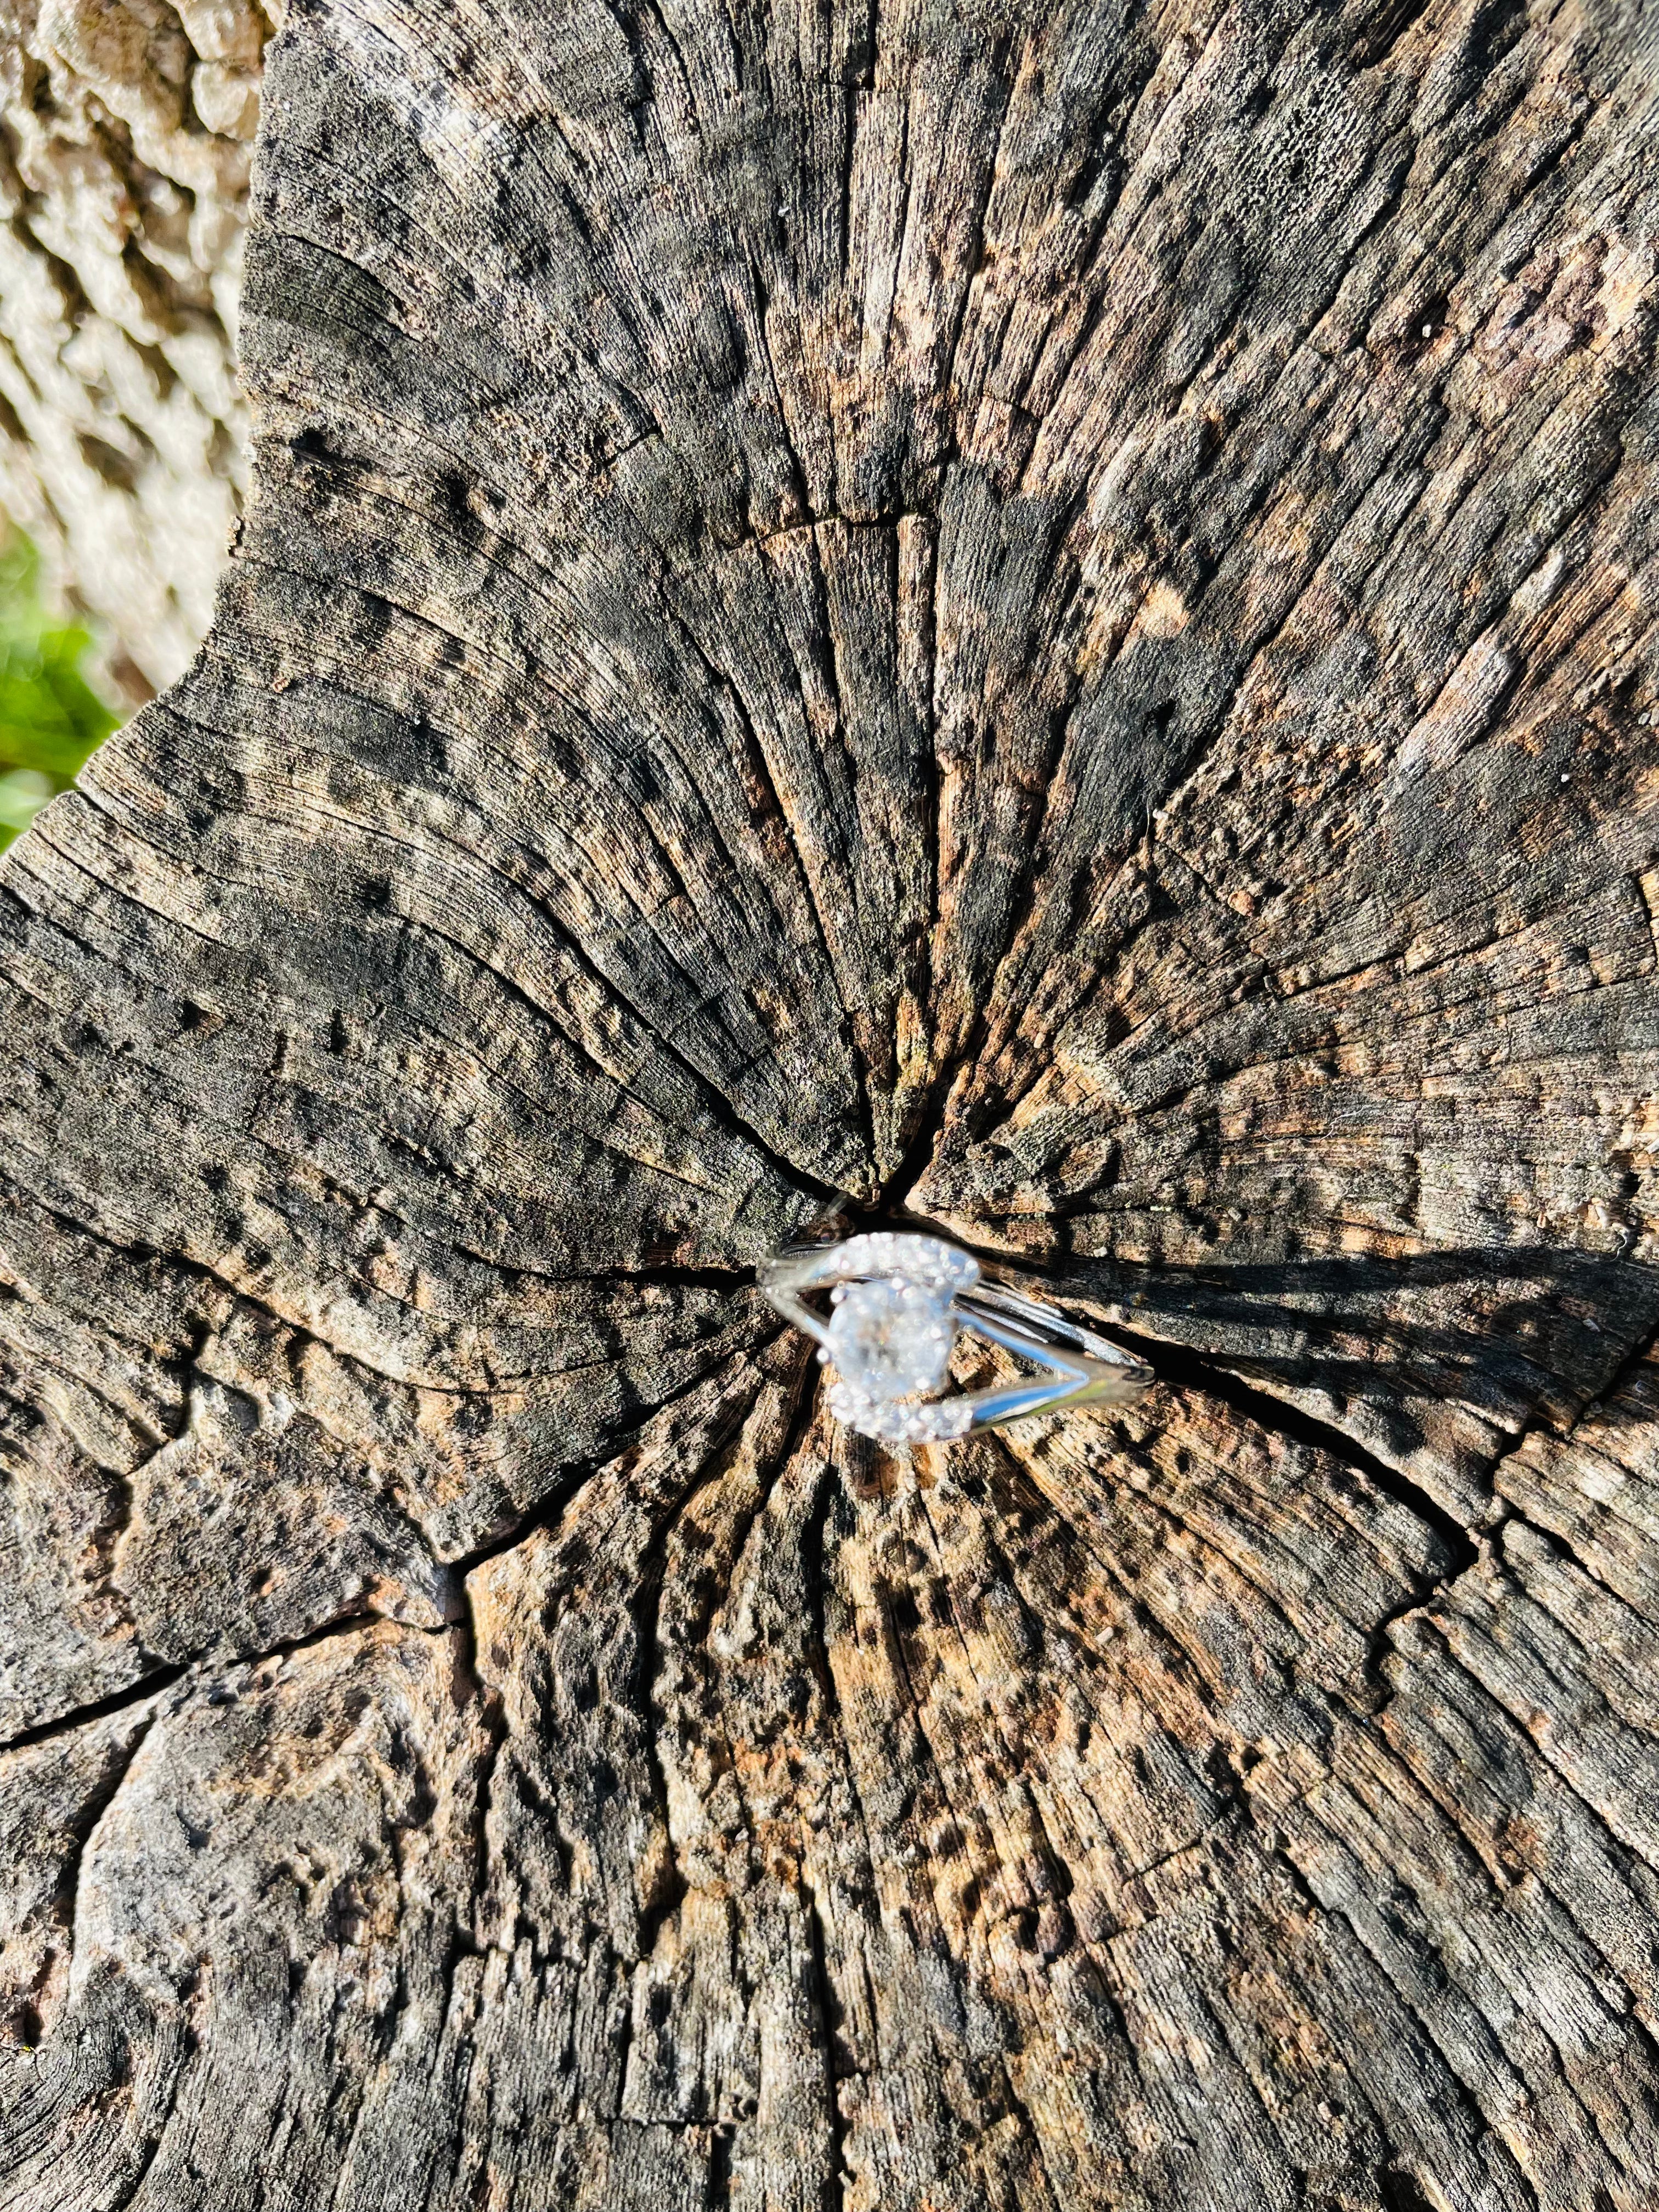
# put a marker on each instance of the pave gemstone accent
(899, 1421)
(906, 1256)
(901, 1254)
(892, 1338)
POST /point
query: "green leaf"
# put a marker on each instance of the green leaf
(50, 718)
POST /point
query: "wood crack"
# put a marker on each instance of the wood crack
(1179, 1364)
(837, 2176)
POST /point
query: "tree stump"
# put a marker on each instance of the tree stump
(1042, 618)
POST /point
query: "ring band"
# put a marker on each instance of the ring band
(897, 1301)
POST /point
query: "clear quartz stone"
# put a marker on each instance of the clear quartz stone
(891, 1338)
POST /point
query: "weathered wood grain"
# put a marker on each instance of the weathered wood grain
(1042, 614)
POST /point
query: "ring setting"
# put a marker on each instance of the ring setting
(898, 1300)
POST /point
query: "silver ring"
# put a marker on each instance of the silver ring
(896, 1303)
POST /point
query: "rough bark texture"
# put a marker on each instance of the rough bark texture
(124, 169)
(1045, 612)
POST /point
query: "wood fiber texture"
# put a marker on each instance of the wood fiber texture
(1044, 614)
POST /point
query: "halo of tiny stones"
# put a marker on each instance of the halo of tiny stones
(898, 1315)
(900, 1255)
(896, 1420)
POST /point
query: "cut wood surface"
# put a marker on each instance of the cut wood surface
(1040, 616)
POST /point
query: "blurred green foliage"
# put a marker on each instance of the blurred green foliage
(50, 716)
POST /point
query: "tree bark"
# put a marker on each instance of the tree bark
(124, 171)
(1041, 615)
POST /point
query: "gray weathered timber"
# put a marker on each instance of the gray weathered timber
(1044, 613)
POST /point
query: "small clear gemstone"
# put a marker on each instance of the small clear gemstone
(891, 1338)
(904, 1254)
(896, 1420)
